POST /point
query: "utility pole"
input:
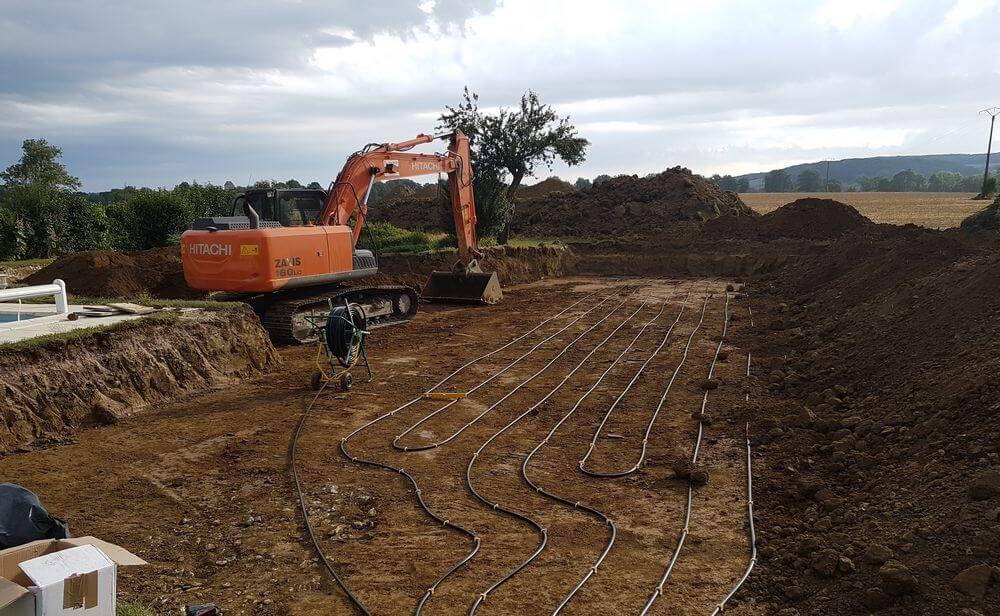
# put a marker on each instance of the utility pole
(993, 112)
(826, 186)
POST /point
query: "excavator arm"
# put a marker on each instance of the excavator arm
(348, 195)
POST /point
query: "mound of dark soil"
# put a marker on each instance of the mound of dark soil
(988, 219)
(544, 188)
(415, 213)
(807, 218)
(886, 346)
(627, 206)
(103, 273)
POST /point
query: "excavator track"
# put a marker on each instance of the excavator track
(284, 316)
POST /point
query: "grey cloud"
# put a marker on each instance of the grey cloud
(188, 85)
(51, 45)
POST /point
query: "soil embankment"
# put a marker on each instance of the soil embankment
(51, 389)
(878, 482)
(544, 188)
(806, 219)
(158, 273)
(628, 207)
(513, 265)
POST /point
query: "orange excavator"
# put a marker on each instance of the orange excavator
(290, 252)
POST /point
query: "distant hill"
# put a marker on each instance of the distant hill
(849, 170)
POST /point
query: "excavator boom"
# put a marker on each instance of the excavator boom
(348, 205)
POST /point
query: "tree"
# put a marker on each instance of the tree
(39, 215)
(514, 142)
(604, 177)
(84, 225)
(970, 183)
(582, 184)
(39, 167)
(777, 181)
(315, 186)
(943, 181)
(728, 182)
(11, 238)
(907, 181)
(293, 184)
(150, 218)
(809, 180)
(833, 186)
(989, 187)
(229, 185)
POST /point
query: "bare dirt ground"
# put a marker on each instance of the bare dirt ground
(201, 487)
(927, 209)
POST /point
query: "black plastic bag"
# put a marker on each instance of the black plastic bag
(23, 519)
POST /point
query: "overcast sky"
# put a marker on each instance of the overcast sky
(154, 93)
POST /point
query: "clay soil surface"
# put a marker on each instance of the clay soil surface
(928, 209)
(202, 488)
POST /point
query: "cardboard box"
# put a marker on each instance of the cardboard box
(62, 577)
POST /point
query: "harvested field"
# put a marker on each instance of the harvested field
(933, 210)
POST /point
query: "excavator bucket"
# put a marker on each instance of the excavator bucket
(463, 287)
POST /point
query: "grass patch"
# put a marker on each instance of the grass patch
(155, 302)
(25, 263)
(390, 239)
(523, 242)
(60, 340)
(129, 608)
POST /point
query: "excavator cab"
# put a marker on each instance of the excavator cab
(289, 207)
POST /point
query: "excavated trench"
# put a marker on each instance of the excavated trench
(53, 388)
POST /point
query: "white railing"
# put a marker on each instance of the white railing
(57, 290)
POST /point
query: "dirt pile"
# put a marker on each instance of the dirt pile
(103, 273)
(544, 188)
(627, 206)
(432, 214)
(885, 345)
(807, 218)
(986, 220)
(52, 389)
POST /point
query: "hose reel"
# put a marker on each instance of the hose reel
(346, 328)
(340, 345)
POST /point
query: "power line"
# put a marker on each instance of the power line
(993, 113)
